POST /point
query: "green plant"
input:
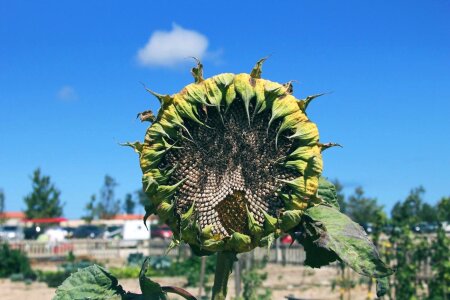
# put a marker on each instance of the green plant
(160, 262)
(43, 201)
(404, 281)
(53, 278)
(56, 278)
(439, 286)
(96, 283)
(16, 277)
(253, 280)
(190, 268)
(135, 259)
(125, 272)
(70, 267)
(14, 262)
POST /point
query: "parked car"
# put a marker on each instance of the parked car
(425, 227)
(368, 227)
(55, 234)
(113, 232)
(69, 231)
(11, 232)
(161, 232)
(31, 233)
(88, 232)
(136, 230)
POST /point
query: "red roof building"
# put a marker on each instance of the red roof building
(126, 217)
(12, 215)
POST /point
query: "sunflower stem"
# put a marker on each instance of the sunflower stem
(224, 266)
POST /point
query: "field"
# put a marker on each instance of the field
(301, 282)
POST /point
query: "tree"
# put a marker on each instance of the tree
(2, 206)
(91, 210)
(404, 250)
(439, 287)
(443, 209)
(408, 211)
(43, 201)
(108, 206)
(340, 195)
(363, 209)
(129, 204)
(428, 213)
(413, 210)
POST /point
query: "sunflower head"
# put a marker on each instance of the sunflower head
(230, 162)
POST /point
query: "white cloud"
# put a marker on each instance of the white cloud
(66, 93)
(170, 48)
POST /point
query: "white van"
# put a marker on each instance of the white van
(135, 230)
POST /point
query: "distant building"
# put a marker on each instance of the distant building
(18, 218)
(12, 217)
(116, 220)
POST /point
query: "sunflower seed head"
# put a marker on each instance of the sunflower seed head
(231, 161)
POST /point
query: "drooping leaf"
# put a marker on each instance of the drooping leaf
(313, 237)
(93, 283)
(346, 239)
(290, 219)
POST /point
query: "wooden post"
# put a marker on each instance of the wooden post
(201, 282)
(237, 278)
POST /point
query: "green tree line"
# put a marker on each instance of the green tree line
(44, 200)
(421, 261)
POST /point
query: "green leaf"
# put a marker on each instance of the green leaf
(327, 192)
(92, 283)
(313, 237)
(290, 219)
(149, 288)
(240, 242)
(340, 235)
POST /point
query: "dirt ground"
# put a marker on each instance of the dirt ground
(302, 282)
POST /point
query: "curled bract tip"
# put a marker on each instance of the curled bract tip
(197, 72)
(328, 145)
(257, 69)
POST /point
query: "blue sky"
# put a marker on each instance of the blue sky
(70, 74)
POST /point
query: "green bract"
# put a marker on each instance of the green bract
(230, 162)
